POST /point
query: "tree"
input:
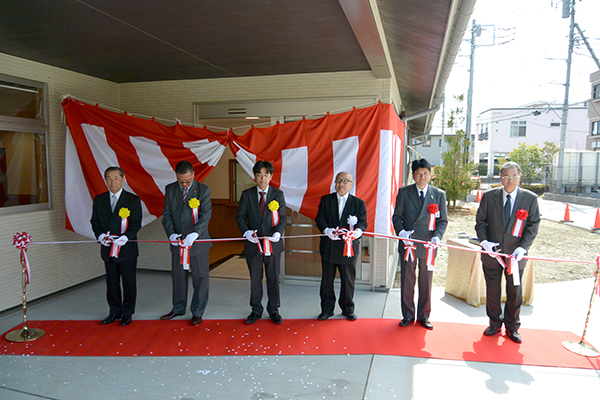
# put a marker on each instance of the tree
(454, 176)
(530, 158)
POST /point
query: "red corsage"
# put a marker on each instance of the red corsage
(518, 227)
(433, 212)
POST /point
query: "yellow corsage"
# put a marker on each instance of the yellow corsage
(274, 205)
(124, 212)
(194, 203)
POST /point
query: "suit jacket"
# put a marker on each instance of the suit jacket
(490, 225)
(178, 215)
(249, 218)
(104, 220)
(332, 251)
(410, 215)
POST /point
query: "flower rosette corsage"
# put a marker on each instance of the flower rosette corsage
(21, 241)
(274, 208)
(352, 221)
(194, 203)
(518, 227)
(124, 213)
(434, 212)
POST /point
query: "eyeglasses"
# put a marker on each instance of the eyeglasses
(344, 181)
(510, 178)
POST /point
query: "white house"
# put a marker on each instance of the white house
(499, 130)
(593, 140)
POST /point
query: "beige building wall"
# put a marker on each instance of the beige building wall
(53, 267)
(59, 266)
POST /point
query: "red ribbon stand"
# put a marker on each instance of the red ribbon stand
(20, 241)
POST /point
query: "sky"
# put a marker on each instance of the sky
(527, 63)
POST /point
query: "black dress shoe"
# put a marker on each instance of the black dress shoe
(126, 320)
(110, 319)
(406, 322)
(491, 331)
(252, 318)
(275, 317)
(169, 315)
(426, 324)
(350, 316)
(514, 336)
(324, 316)
(196, 319)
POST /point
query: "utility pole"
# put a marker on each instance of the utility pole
(475, 31)
(565, 114)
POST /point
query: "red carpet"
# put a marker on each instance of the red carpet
(298, 337)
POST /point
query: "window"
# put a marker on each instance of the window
(595, 128)
(518, 128)
(554, 123)
(23, 143)
(596, 145)
(596, 94)
(427, 142)
(440, 144)
(484, 132)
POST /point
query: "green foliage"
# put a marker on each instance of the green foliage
(537, 189)
(454, 176)
(532, 159)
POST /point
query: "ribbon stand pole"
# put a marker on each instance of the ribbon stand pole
(25, 334)
(582, 348)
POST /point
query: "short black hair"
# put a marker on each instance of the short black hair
(422, 163)
(183, 167)
(110, 169)
(263, 164)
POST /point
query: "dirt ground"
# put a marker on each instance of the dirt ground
(554, 240)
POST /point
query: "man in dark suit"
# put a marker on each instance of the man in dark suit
(116, 219)
(336, 211)
(413, 217)
(261, 214)
(186, 213)
(507, 222)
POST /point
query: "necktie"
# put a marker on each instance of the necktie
(421, 196)
(507, 210)
(262, 203)
(113, 202)
(341, 204)
(185, 192)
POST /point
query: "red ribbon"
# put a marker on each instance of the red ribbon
(348, 250)
(598, 272)
(430, 246)
(20, 241)
(184, 255)
(409, 252)
(115, 249)
(267, 247)
(195, 214)
(274, 218)
(124, 225)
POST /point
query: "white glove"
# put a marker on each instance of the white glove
(121, 240)
(174, 238)
(189, 239)
(436, 240)
(330, 235)
(406, 235)
(250, 236)
(275, 238)
(519, 253)
(489, 246)
(357, 233)
(104, 240)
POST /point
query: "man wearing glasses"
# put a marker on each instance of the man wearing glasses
(507, 222)
(342, 218)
